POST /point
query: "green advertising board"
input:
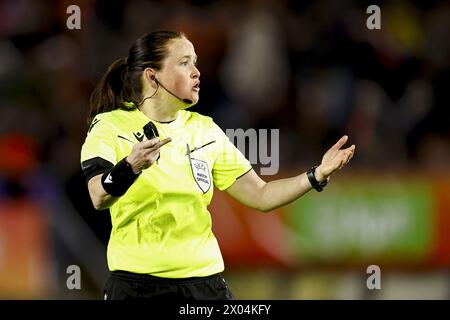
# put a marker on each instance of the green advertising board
(361, 220)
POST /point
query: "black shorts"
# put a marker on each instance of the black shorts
(126, 285)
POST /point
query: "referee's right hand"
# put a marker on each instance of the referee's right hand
(145, 153)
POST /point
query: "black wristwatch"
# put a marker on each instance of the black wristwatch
(312, 179)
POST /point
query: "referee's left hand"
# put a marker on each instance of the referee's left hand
(145, 153)
(334, 159)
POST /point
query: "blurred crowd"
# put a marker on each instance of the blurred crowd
(311, 69)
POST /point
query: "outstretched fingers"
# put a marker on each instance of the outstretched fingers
(348, 153)
(338, 145)
(344, 156)
(353, 147)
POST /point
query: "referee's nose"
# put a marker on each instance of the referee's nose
(196, 73)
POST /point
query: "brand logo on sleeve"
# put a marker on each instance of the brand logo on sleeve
(108, 178)
(139, 136)
(94, 122)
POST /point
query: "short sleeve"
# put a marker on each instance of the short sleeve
(98, 151)
(230, 164)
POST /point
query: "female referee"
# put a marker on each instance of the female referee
(158, 189)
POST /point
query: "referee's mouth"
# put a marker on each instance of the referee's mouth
(196, 87)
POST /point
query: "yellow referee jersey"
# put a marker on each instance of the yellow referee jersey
(161, 226)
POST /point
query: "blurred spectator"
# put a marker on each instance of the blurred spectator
(255, 69)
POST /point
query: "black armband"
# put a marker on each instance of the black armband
(95, 166)
(312, 179)
(117, 180)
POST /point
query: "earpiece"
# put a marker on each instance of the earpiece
(188, 101)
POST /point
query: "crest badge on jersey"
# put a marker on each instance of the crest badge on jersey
(201, 173)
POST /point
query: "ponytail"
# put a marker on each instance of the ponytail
(121, 85)
(111, 92)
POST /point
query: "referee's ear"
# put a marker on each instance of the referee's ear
(149, 75)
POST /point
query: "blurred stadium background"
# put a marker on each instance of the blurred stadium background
(309, 68)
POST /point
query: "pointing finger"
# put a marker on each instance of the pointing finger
(150, 143)
(163, 142)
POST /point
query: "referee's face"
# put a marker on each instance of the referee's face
(179, 71)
